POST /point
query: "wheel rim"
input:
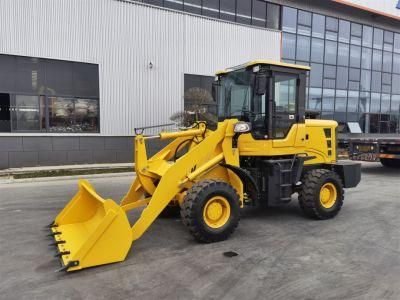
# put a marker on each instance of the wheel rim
(328, 195)
(216, 212)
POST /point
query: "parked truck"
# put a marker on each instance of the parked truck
(372, 147)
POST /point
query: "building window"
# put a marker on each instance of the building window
(154, 2)
(396, 86)
(365, 99)
(348, 60)
(367, 36)
(191, 6)
(377, 60)
(376, 80)
(210, 8)
(356, 33)
(375, 102)
(344, 31)
(72, 115)
(318, 26)
(341, 100)
(61, 114)
(243, 11)
(386, 82)
(385, 103)
(304, 22)
(329, 76)
(355, 56)
(317, 50)
(303, 48)
(395, 104)
(365, 80)
(273, 16)
(314, 99)
(352, 101)
(328, 99)
(342, 78)
(396, 63)
(289, 19)
(378, 38)
(31, 89)
(330, 52)
(387, 61)
(259, 14)
(343, 54)
(331, 28)
(227, 10)
(289, 45)
(316, 75)
(27, 114)
(396, 44)
(354, 79)
(388, 41)
(174, 4)
(366, 61)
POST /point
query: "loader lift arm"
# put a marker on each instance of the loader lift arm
(173, 178)
(83, 237)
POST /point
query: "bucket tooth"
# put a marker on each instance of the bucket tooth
(72, 263)
(51, 225)
(54, 233)
(62, 253)
(57, 243)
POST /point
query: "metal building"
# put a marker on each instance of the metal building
(76, 77)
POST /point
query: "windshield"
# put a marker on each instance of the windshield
(234, 94)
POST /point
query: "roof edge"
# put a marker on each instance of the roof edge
(374, 11)
(262, 62)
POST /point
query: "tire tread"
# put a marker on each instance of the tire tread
(311, 184)
(188, 214)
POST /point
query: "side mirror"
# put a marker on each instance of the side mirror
(261, 84)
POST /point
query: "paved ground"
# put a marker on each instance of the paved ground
(281, 254)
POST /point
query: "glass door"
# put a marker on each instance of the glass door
(285, 104)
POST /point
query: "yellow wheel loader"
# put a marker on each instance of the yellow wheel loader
(262, 152)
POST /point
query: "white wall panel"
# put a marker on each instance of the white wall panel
(123, 38)
(213, 45)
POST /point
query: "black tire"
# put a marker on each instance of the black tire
(309, 195)
(390, 162)
(195, 202)
(171, 211)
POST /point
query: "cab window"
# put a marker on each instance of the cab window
(285, 99)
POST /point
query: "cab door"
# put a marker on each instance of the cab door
(285, 116)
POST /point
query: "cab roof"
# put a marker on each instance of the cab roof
(263, 62)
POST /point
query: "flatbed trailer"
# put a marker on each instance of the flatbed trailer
(373, 147)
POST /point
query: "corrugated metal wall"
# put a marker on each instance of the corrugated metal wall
(123, 38)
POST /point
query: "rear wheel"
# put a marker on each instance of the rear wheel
(321, 195)
(210, 210)
(390, 162)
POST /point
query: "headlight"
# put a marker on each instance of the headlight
(242, 127)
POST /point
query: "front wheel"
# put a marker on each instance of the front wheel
(321, 196)
(210, 210)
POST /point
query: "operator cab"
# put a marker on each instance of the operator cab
(268, 95)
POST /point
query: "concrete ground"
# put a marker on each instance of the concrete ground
(281, 255)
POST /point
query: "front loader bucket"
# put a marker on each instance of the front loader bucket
(90, 231)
